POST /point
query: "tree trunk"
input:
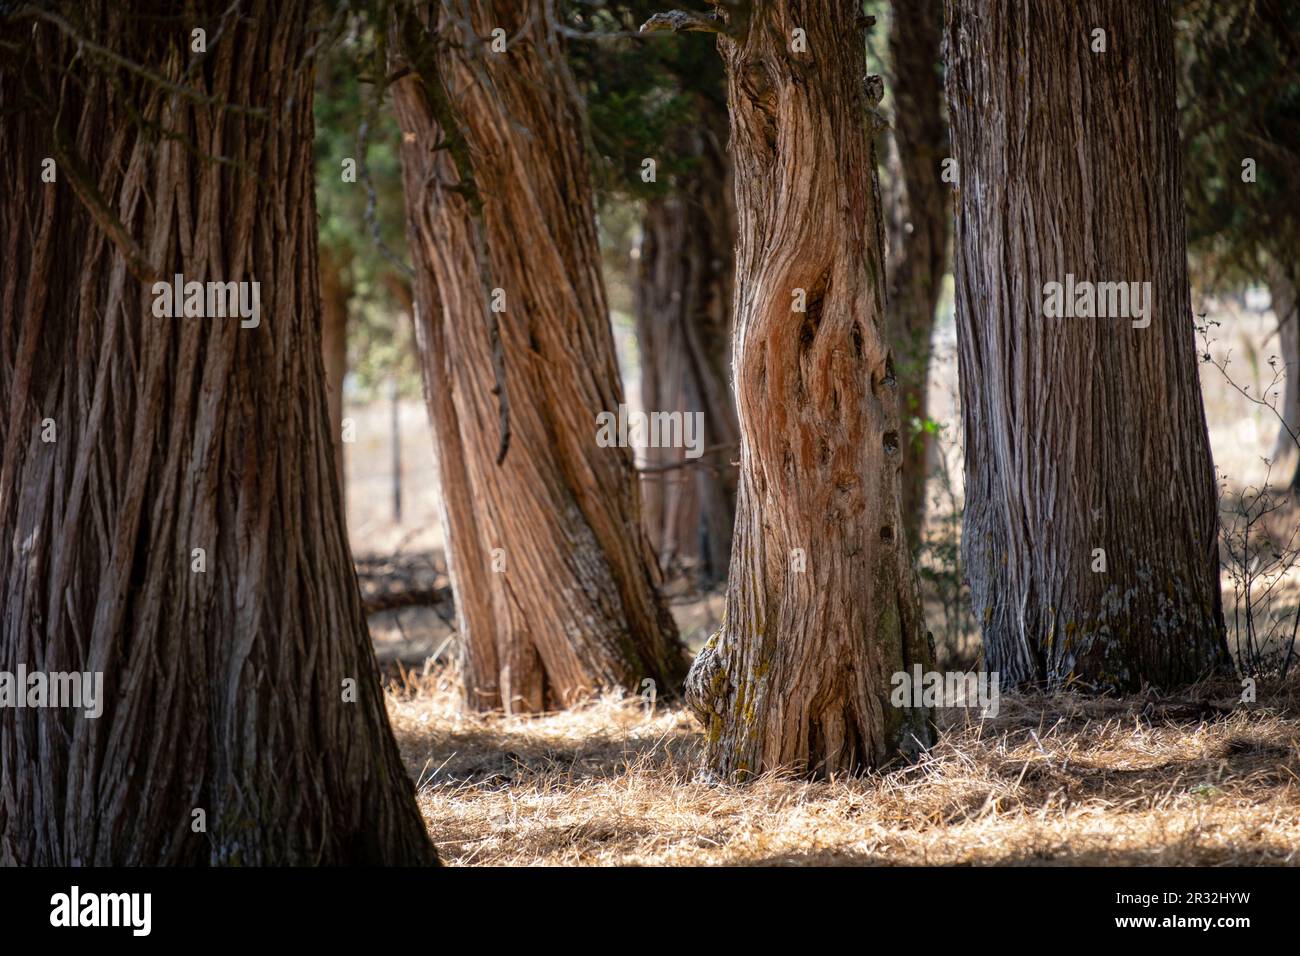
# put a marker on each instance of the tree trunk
(395, 446)
(1090, 524)
(335, 292)
(1286, 455)
(822, 604)
(555, 579)
(683, 310)
(918, 250)
(223, 673)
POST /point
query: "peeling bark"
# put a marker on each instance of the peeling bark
(1082, 434)
(223, 690)
(572, 606)
(822, 603)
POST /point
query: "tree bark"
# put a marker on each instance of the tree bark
(918, 250)
(822, 602)
(335, 293)
(223, 690)
(555, 578)
(683, 311)
(1083, 435)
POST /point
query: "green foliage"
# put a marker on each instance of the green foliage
(343, 103)
(1240, 98)
(351, 115)
(641, 93)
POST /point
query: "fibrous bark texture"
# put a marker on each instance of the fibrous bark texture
(683, 318)
(822, 605)
(1090, 524)
(223, 673)
(918, 248)
(554, 575)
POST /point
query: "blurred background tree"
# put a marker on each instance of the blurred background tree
(1240, 114)
(657, 124)
(364, 269)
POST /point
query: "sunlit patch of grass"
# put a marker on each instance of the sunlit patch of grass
(1195, 779)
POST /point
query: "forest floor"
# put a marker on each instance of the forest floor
(1198, 779)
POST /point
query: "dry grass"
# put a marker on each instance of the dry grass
(1195, 780)
(1060, 780)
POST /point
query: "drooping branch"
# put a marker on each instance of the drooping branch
(418, 52)
(188, 93)
(371, 215)
(83, 186)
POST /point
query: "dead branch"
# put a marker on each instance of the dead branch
(685, 21)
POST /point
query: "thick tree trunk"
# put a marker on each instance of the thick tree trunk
(683, 314)
(223, 683)
(555, 578)
(1085, 437)
(822, 604)
(918, 250)
(335, 292)
(1282, 285)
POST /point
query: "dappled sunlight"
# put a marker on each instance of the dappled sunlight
(1192, 779)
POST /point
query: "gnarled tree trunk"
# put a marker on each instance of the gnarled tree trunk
(554, 576)
(918, 249)
(683, 317)
(223, 671)
(1090, 525)
(822, 605)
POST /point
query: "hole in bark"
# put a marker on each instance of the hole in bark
(807, 331)
(812, 320)
(550, 700)
(814, 307)
(887, 533)
(759, 90)
(857, 340)
(891, 442)
(836, 749)
(885, 377)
